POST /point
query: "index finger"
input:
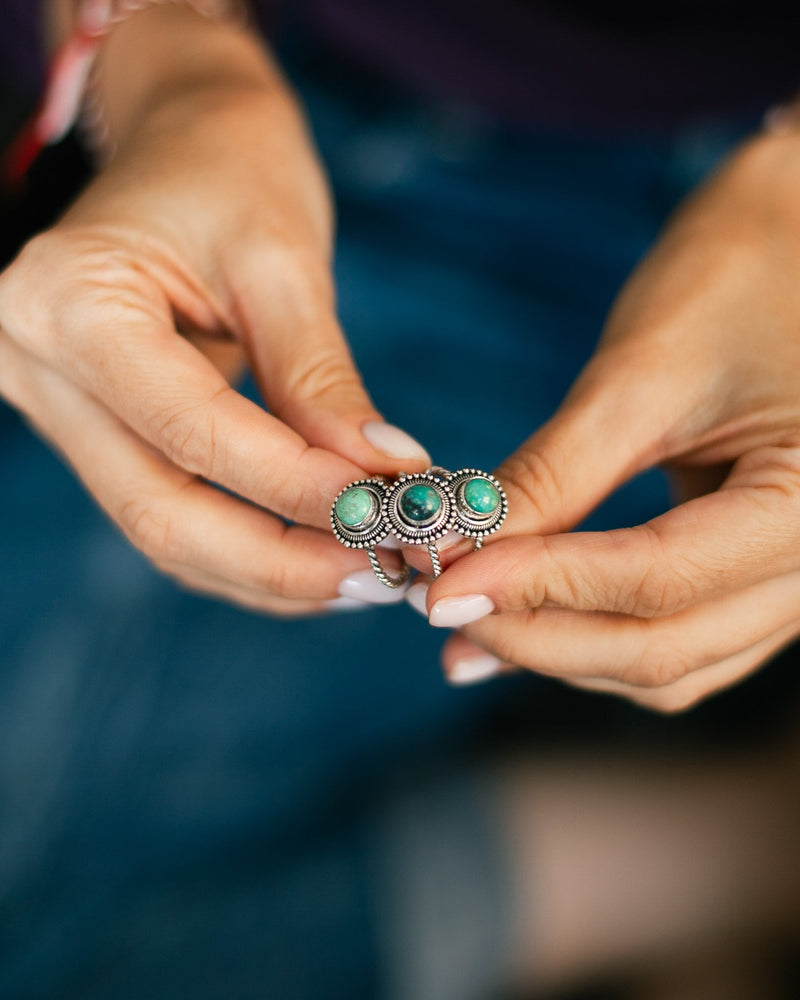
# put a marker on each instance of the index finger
(173, 397)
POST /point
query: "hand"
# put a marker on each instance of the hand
(698, 370)
(212, 220)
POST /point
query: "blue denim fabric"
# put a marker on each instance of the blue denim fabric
(183, 786)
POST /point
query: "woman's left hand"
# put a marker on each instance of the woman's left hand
(698, 370)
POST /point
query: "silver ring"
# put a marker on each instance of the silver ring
(418, 509)
(358, 523)
(481, 503)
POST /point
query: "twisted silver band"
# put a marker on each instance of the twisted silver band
(436, 562)
(388, 581)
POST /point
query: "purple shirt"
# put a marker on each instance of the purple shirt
(573, 63)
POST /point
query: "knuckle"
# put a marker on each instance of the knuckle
(19, 309)
(295, 488)
(521, 567)
(660, 588)
(82, 270)
(279, 576)
(560, 585)
(275, 579)
(505, 649)
(327, 373)
(186, 434)
(658, 667)
(530, 474)
(154, 532)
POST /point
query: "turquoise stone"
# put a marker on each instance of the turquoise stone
(354, 506)
(481, 496)
(419, 503)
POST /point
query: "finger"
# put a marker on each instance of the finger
(645, 652)
(696, 687)
(163, 388)
(708, 547)
(464, 662)
(174, 517)
(285, 305)
(206, 585)
(615, 422)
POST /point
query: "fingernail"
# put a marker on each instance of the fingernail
(453, 612)
(346, 604)
(390, 542)
(365, 586)
(393, 442)
(474, 669)
(416, 598)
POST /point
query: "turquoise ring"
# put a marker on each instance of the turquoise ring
(481, 503)
(418, 509)
(358, 522)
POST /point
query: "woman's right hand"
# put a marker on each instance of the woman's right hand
(211, 222)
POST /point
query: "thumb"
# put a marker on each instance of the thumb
(306, 372)
(609, 427)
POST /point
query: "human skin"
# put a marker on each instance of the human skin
(204, 241)
(697, 370)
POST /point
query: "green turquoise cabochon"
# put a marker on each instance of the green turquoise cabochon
(481, 496)
(354, 506)
(419, 503)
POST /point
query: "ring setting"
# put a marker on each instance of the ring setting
(357, 514)
(481, 503)
(418, 509)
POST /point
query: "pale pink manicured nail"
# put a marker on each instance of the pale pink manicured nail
(391, 543)
(346, 604)
(453, 612)
(365, 586)
(416, 596)
(473, 669)
(394, 442)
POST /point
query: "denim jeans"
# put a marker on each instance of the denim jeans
(187, 790)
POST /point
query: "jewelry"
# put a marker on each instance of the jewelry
(358, 523)
(418, 509)
(481, 503)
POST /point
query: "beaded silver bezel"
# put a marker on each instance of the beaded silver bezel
(468, 522)
(374, 528)
(423, 534)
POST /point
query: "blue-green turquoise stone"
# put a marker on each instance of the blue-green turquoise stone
(419, 503)
(481, 496)
(354, 506)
